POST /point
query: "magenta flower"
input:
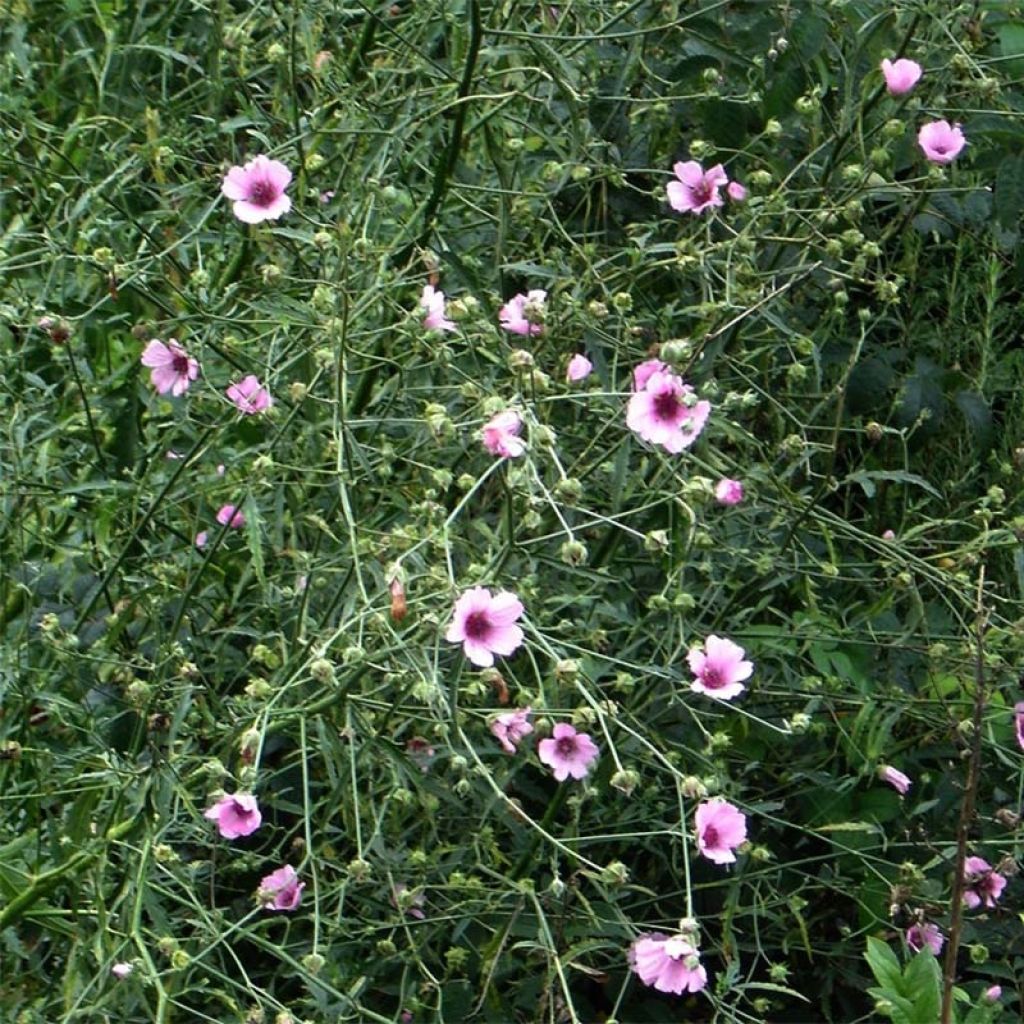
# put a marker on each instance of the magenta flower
(900, 782)
(927, 934)
(121, 971)
(433, 302)
(667, 412)
(728, 492)
(173, 369)
(579, 368)
(992, 994)
(280, 890)
(697, 189)
(231, 516)
(667, 964)
(721, 827)
(736, 192)
(941, 141)
(1018, 723)
(900, 76)
(985, 886)
(719, 668)
(201, 538)
(236, 816)
(510, 727)
(524, 314)
(485, 625)
(257, 190)
(645, 370)
(568, 752)
(501, 435)
(250, 396)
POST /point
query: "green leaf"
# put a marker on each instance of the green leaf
(866, 478)
(1009, 199)
(922, 982)
(884, 966)
(1011, 43)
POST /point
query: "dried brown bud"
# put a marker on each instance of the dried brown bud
(399, 609)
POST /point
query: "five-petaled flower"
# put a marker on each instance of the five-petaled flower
(568, 752)
(236, 815)
(173, 369)
(720, 668)
(697, 189)
(250, 396)
(665, 411)
(940, 141)
(510, 727)
(984, 884)
(900, 75)
(485, 625)
(432, 300)
(668, 964)
(280, 890)
(926, 934)
(257, 190)
(524, 314)
(500, 435)
(721, 827)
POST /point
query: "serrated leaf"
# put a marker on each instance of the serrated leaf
(884, 966)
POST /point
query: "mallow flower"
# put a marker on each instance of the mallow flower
(696, 189)
(940, 141)
(568, 752)
(236, 815)
(485, 625)
(257, 190)
(667, 412)
(171, 367)
(720, 668)
(900, 75)
(721, 827)
(668, 964)
(280, 890)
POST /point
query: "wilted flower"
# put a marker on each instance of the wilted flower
(941, 141)
(697, 189)
(250, 396)
(579, 368)
(721, 827)
(409, 904)
(257, 190)
(666, 412)
(895, 778)
(985, 886)
(522, 314)
(432, 300)
(926, 934)
(501, 435)
(667, 964)
(720, 668)
(509, 728)
(568, 752)
(485, 625)
(900, 76)
(229, 515)
(237, 815)
(173, 369)
(280, 890)
(728, 492)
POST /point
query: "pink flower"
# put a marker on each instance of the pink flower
(941, 141)
(667, 964)
(257, 190)
(409, 904)
(567, 752)
(231, 516)
(985, 885)
(719, 668)
(927, 934)
(250, 396)
(728, 492)
(236, 816)
(900, 76)
(900, 782)
(280, 890)
(667, 412)
(888, 535)
(1018, 723)
(992, 994)
(121, 971)
(201, 538)
(721, 827)
(579, 368)
(501, 435)
(485, 625)
(173, 368)
(524, 314)
(511, 727)
(696, 189)
(645, 370)
(433, 302)
(736, 192)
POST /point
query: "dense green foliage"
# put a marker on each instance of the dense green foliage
(855, 324)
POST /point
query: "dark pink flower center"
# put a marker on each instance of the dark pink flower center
(478, 626)
(179, 363)
(667, 406)
(711, 677)
(702, 191)
(262, 193)
(711, 836)
(566, 746)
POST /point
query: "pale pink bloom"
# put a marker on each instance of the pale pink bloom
(412, 904)
(697, 189)
(173, 369)
(201, 538)
(888, 535)
(985, 885)
(432, 301)
(510, 727)
(645, 370)
(567, 752)
(237, 815)
(513, 315)
(736, 192)
(667, 964)
(501, 435)
(250, 396)
(900, 782)
(719, 668)
(729, 492)
(667, 412)
(221, 469)
(900, 76)
(579, 368)
(927, 934)
(992, 994)
(1018, 723)
(941, 141)
(486, 625)
(280, 890)
(231, 516)
(257, 190)
(326, 197)
(721, 827)
(121, 971)
(420, 750)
